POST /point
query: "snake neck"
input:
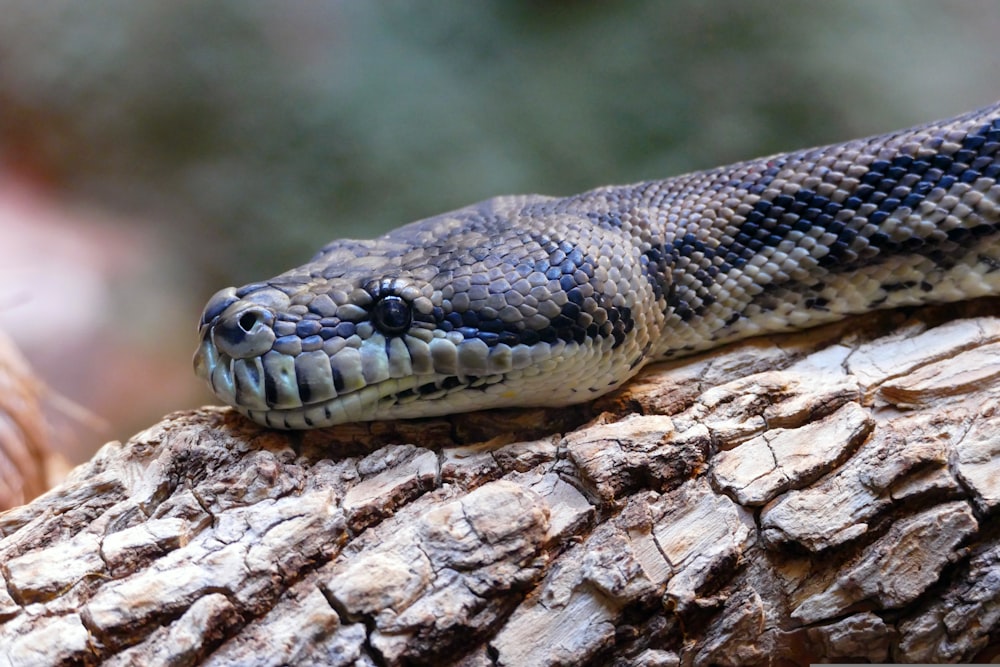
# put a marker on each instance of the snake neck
(808, 237)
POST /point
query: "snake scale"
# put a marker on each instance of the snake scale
(543, 301)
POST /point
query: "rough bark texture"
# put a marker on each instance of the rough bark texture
(831, 495)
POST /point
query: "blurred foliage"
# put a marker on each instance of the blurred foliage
(252, 132)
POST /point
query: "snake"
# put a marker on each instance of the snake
(539, 301)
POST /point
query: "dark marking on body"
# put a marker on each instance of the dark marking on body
(816, 303)
(305, 392)
(577, 319)
(270, 390)
(901, 182)
(338, 380)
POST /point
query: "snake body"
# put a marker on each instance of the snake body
(543, 301)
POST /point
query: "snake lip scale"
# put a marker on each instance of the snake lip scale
(549, 301)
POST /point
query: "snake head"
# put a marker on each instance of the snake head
(294, 353)
(460, 312)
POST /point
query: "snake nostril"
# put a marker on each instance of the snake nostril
(246, 333)
(248, 320)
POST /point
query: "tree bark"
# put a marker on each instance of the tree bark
(830, 495)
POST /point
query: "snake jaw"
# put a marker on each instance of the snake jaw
(239, 383)
(312, 389)
(292, 372)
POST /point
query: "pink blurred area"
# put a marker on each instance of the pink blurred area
(94, 307)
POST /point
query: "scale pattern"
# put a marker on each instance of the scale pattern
(533, 300)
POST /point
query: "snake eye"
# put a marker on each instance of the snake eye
(392, 315)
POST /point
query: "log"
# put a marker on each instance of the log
(827, 495)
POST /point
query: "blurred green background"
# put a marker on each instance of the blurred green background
(173, 148)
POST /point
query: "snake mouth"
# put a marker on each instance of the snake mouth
(267, 390)
(280, 369)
